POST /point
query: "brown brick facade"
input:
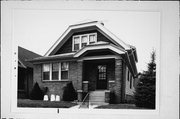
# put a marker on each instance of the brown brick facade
(118, 80)
(80, 71)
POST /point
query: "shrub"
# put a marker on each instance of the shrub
(112, 98)
(36, 93)
(69, 93)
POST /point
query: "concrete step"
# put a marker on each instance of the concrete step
(97, 93)
(97, 98)
(98, 103)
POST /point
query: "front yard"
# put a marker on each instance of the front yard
(119, 106)
(65, 104)
(45, 104)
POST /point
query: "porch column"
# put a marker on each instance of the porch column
(118, 80)
(79, 78)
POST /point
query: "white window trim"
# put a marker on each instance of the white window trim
(50, 73)
(65, 70)
(80, 42)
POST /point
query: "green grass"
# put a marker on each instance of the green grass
(45, 104)
(119, 106)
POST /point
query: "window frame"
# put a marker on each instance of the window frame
(64, 70)
(59, 71)
(74, 42)
(52, 70)
(44, 71)
(80, 36)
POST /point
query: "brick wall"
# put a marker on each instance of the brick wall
(57, 87)
(118, 80)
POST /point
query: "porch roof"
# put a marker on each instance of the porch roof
(99, 46)
(54, 57)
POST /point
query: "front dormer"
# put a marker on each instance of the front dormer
(80, 41)
(84, 34)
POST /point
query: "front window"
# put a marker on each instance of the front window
(55, 71)
(64, 70)
(46, 72)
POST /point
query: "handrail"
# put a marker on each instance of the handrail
(84, 100)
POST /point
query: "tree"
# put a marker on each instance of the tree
(69, 93)
(36, 93)
(145, 90)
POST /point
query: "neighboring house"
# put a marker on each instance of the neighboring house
(94, 59)
(25, 72)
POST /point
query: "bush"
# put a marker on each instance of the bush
(36, 93)
(112, 98)
(69, 93)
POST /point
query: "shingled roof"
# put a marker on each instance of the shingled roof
(24, 55)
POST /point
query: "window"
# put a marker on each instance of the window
(84, 41)
(64, 70)
(46, 72)
(128, 75)
(76, 43)
(130, 81)
(102, 72)
(55, 71)
(80, 41)
(92, 38)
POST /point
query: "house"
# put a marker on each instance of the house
(94, 59)
(25, 72)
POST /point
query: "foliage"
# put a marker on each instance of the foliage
(36, 93)
(112, 98)
(69, 93)
(145, 90)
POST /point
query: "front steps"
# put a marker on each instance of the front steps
(97, 97)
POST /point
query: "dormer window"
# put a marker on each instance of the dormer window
(80, 41)
(92, 38)
(84, 40)
(76, 43)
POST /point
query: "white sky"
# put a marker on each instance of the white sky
(37, 30)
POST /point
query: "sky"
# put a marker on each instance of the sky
(37, 30)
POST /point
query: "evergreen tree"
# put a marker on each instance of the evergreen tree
(36, 93)
(145, 90)
(69, 93)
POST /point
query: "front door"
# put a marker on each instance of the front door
(101, 76)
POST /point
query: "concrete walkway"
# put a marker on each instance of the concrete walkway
(90, 107)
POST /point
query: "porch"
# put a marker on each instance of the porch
(100, 77)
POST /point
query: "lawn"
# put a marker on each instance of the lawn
(119, 106)
(45, 104)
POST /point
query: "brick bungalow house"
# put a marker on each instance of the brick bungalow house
(94, 59)
(25, 72)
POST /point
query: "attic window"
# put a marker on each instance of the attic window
(80, 41)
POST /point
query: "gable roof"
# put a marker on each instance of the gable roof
(82, 27)
(24, 55)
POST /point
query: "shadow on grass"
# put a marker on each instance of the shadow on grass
(45, 104)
